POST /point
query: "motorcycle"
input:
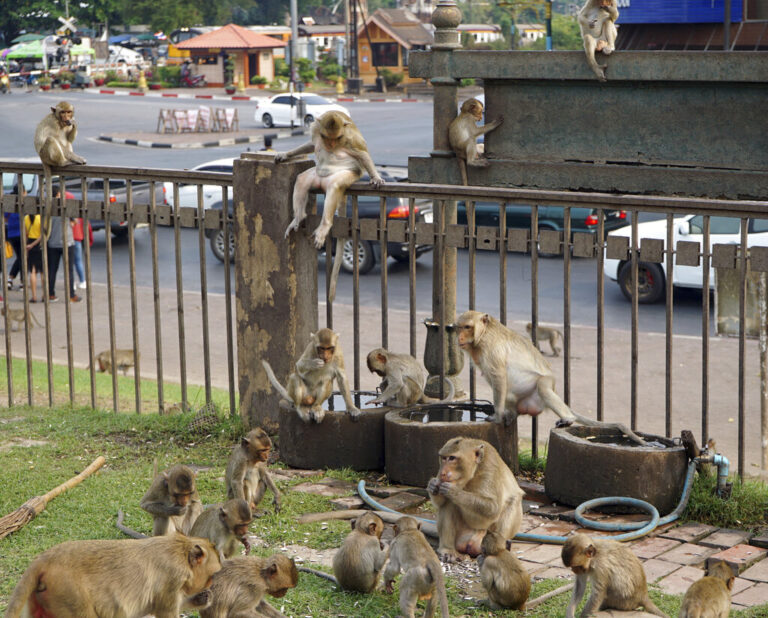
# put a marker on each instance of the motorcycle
(5, 83)
(193, 81)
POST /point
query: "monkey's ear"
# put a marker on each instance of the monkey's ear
(352, 523)
(372, 529)
(486, 318)
(245, 442)
(509, 544)
(269, 570)
(418, 525)
(381, 358)
(196, 556)
(480, 453)
(590, 551)
(53, 110)
(222, 514)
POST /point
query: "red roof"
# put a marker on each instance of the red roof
(231, 36)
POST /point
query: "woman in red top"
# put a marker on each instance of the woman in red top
(78, 235)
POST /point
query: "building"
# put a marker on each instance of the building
(481, 33)
(529, 33)
(253, 53)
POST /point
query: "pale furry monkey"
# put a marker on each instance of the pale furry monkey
(710, 596)
(226, 526)
(411, 553)
(129, 578)
(247, 476)
(546, 333)
(341, 156)
(311, 383)
(362, 555)
(403, 383)
(19, 317)
(463, 133)
(521, 379)
(597, 20)
(504, 577)
(616, 574)
(173, 501)
(124, 360)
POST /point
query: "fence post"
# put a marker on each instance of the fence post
(275, 282)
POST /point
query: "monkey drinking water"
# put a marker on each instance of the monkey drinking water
(463, 133)
(403, 383)
(597, 21)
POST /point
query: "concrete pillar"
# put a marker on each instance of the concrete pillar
(275, 282)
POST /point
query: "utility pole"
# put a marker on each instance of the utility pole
(294, 46)
(548, 22)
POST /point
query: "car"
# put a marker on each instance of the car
(282, 109)
(652, 277)
(211, 193)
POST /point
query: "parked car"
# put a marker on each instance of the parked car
(282, 109)
(651, 280)
(211, 193)
(368, 252)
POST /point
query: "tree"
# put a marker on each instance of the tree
(29, 15)
(565, 34)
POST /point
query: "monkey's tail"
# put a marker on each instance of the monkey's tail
(34, 319)
(336, 268)
(125, 529)
(436, 571)
(463, 169)
(273, 381)
(22, 594)
(620, 426)
(448, 398)
(322, 574)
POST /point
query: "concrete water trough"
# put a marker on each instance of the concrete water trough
(413, 437)
(584, 463)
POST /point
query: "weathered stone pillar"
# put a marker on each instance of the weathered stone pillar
(275, 282)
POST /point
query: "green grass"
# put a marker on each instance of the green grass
(71, 437)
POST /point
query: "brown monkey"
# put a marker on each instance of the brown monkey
(311, 383)
(341, 156)
(19, 317)
(710, 596)
(520, 377)
(463, 133)
(123, 360)
(546, 333)
(617, 576)
(597, 21)
(504, 577)
(412, 554)
(239, 588)
(130, 578)
(403, 383)
(173, 501)
(362, 555)
(247, 476)
(474, 491)
(225, 525)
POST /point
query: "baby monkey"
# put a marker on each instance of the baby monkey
(504, 577)
(710, 597)
(359, 560)
(463, 133)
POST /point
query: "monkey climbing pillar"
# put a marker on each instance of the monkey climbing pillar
(275, 281)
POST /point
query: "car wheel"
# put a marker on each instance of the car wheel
(218, 243)
(403, 258)
(308, 120)
(650, 282)
(365, 258)
(266, 120)
(120, 232)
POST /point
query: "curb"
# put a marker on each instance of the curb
(227, 141)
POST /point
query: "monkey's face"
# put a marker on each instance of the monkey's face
(181, 499)
(262, 454)
(466, 333)
(241, 530)
(325, 353)
(331, 138)
(477, 111)
(604, 4)
(65, 117)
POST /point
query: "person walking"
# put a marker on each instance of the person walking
(13, 236)
(56, 248)
(78, 235)
(34, 254)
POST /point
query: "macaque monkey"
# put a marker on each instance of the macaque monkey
(504, 577)
(19, 317)
(362, 555)
(411, 553)
(129, 578)
(617, 576)
(341, 156)
(247, 476)
(520, 377)
(403, 383)
(474, 491)
(546, 333)
(597, 20)
(311, 383)
(463, 133)
(225, 525)
(53, 142)
(239, 588)
(123, 360)
(173, 501)
(710, 596)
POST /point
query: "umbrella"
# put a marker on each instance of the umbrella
(33, 49)
(26, 38)
(120, 38)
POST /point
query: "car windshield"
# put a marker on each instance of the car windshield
(9, 180)
(313, 99)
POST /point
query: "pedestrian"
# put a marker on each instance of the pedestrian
(56, 250)
(13, 236)
(34, 254)
(77, 234)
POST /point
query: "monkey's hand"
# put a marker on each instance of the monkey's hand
(480, 560)
(293, 225)
(433, 486)
(281, 157)
(388, 586)
(246, 544)
(315, 363)
(200, 601)
(446, 489)
(377, 181)
(276, 503)
(354, 413)
(177, 510)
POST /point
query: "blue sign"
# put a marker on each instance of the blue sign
(676, 11)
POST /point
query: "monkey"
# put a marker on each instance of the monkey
(19, 317)
(247, 476)
(546, 333)
(504, 577)
(311, 383)
(53, 140)
(130, 578)
(403, 383)
(225, 525)
(474, 491)
(710, 596)
(173, 501)
(463, 133)
(520, 377)
(123, 360)
(617, 576)
(359, 560)
(238, 589)
(341, 156)
(597, 21)
(411, 553)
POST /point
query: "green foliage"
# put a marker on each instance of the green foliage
(282, 69)
(258, 79)
(391, 78)
(66, 77)
(229, 69)
(746, 508)
(467, 82)
(305, 69)
(111, 76)
(329, 68)
(565, 34)
(170, 74)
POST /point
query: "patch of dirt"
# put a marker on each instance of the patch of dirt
(14, 419)
(21, 442)
(301, 555)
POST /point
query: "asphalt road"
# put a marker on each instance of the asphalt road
(393, 132)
